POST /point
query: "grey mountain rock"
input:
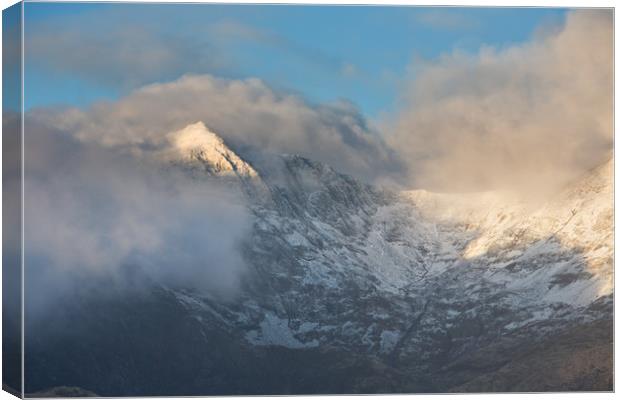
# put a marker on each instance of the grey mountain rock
(357, 289)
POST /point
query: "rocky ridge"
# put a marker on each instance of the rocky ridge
(356, 289)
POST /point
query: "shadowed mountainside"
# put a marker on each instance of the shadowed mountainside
(355, 289)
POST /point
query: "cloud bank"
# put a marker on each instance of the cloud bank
(528, 117)
(93, 213)
(246, 113)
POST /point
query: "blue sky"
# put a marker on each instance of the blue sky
(77, 54)
(11, 68)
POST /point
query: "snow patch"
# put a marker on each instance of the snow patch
(274, 331)
(388, 340)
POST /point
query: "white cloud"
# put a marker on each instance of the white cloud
(529, 116)
(243, 112)
(91, 212)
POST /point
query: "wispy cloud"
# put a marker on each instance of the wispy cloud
(446, 20)
(227, 30)
(117, 54)
(349, 70)
(118, 51)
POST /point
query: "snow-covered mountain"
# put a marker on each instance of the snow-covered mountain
(353, 288)
(195, 146)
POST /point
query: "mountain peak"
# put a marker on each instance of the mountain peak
(198, 144)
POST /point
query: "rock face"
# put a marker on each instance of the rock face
(354, 289)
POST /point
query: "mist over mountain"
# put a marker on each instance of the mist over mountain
(347, 288)
(208, 235)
